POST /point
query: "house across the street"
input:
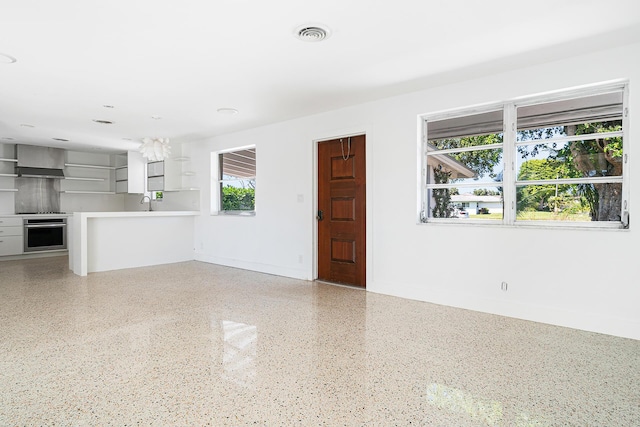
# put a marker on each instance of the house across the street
(474, 204)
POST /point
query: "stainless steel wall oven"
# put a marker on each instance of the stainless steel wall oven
(45, 234)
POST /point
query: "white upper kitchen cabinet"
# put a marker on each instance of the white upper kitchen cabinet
(167, 175)
(130, 173)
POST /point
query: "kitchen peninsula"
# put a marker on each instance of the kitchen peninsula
(103, 241)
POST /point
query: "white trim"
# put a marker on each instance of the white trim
(571, 224)
(583, 137)
(568, 181)
(572, 92)
(457, 112)
(473, 184)
(231, 150)
(626, 158)
(214, 191)
(509, 165)
(484, 147)
(423, 169)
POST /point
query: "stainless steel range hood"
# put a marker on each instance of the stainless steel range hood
(25, 172)
(39, 162)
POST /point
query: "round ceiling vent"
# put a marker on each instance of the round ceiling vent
(312, 33)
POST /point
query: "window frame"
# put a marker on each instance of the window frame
(217, 182)
(509, 159)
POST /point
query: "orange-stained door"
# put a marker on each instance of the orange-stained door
(341, 211)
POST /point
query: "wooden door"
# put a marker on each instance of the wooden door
(341, 211)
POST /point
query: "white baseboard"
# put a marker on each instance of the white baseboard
(570, 318)
(254, 266)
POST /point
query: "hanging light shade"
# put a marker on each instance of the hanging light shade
(155, 149)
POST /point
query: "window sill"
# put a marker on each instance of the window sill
(234, 213)
(528, 225)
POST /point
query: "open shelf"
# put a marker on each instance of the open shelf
(9, 160)
(8, 190)
(78, 178)
(78, 165)
(10, 175)
(87, 192)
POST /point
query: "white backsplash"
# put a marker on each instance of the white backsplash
(171, 201)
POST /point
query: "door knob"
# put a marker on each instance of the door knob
(320, 216)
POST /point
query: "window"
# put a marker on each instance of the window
(546, 160)
(237, 181)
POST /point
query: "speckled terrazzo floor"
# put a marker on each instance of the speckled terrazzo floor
(194, 344)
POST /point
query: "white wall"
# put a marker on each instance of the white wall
(577, 278)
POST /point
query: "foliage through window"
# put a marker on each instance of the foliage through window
(564, 155)
(237, 180)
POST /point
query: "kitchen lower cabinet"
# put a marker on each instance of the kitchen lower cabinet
(11, 236)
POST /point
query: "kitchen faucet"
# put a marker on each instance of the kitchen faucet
(142, 201)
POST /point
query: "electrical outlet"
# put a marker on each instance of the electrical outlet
(504, 286)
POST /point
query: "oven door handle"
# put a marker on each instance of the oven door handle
(44, 225)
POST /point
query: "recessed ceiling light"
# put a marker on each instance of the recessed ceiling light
(227, 111)
(60, 139)
(312, 33)
(24, 125)
(7, 59)
(103, 122)
(156, 117)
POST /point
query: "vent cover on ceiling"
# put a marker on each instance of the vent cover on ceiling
(312, 34)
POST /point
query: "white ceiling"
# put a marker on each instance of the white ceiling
(182, 61)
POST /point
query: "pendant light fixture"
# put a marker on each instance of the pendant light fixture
(155, 149)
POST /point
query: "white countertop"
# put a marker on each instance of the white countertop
(56, 215)
(134, 214)
(118, 214)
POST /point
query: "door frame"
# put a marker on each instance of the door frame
(345, 133)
